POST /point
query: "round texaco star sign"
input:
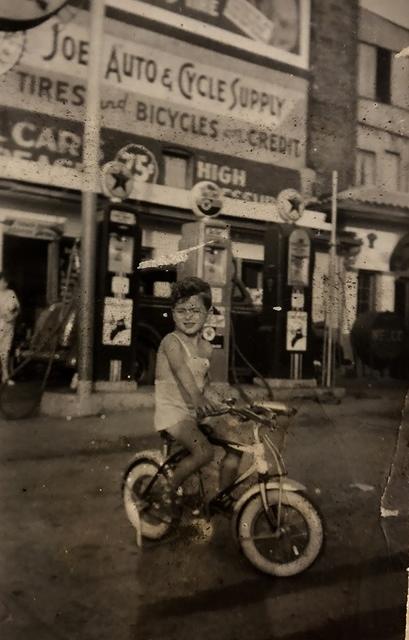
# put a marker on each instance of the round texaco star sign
(27, 14)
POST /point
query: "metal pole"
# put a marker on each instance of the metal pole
(331, 279)
(89, 198)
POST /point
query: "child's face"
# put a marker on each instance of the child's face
(190, 315)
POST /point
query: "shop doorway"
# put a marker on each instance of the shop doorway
(25, 261)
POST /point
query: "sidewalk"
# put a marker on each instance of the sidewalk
(42, 437)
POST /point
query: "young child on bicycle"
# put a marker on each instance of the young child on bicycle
(181, 379)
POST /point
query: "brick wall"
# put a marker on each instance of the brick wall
(332, 105)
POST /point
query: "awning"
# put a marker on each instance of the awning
(32, 225)
(375, 195)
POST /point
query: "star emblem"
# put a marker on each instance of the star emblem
(117, 180)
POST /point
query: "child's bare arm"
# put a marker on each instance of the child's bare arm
(212, 396)
(177, 361)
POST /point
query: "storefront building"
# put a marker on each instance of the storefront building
(234, 92)
(375, 208)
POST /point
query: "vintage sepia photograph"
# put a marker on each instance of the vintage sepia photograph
(204, 319)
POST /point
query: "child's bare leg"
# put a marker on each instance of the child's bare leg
(4, 361)
(229, 469)
(200, 450)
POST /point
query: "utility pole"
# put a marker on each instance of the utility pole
(91, 145)
(329, 334)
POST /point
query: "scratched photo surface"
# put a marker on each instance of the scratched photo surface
(204, 319)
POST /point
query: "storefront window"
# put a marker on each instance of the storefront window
(366, 291)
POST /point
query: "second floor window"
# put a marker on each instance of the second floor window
(365, 168)
(383, 75)
(391, 171)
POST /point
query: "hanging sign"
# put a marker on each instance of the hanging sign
(117, 181)
(290, 205)
(296, 331)
(206, 199)
(26, 14)
(299, 250)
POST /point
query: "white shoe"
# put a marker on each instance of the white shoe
(10, 382)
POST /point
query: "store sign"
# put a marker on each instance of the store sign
(46, 140)
(277, 29)
(244, 179)
(211, 108)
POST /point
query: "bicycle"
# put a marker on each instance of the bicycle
(276, 525)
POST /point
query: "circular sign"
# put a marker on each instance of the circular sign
(117, 180)
(209, 333)
(140, 161)
(206, 199)
(11, 49)
(18, 16)
(290, 205)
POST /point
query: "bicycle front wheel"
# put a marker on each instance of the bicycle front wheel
(285, 543)
(137, 479)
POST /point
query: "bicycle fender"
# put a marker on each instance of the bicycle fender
(287, 485)
(153, 455)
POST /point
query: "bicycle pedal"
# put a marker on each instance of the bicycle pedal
(221, 505)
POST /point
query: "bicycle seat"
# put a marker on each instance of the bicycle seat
(278, 408)
(206, 428)
(167, 437)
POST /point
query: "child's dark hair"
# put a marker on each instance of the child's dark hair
(191, 287)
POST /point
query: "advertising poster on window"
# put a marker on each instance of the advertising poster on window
(117, 322)
(277, 29)
(296, 331)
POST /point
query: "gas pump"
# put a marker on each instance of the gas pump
(287, 296)
(119, 246)
(211, 261)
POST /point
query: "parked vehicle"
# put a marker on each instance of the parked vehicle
(155, 321)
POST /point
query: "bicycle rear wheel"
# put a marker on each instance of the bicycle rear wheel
(293, 546)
